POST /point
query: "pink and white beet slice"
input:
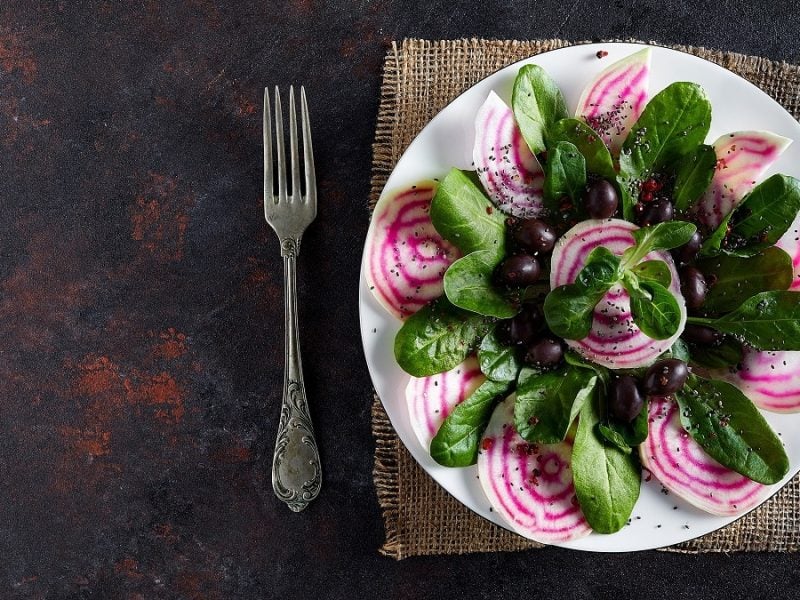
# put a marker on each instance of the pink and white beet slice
(613, 101)
(614, 340)
(742, 158)
(431, 399)
(770, 379)
(509, 172)
(405, 257)
(529, 485)
(684, 468)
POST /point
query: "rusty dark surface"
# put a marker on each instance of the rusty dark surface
(141, 313)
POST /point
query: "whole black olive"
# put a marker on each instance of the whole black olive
(544, 352)
(701, 335)
(534, 235)
(658, 211)
(601, 199)
(693, 286)
(520, 269)
(665, 377)
(526, 325)
(625, 400)
(685, 254)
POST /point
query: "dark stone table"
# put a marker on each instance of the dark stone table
(141, 311)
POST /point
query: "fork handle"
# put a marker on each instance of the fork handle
(296, 470)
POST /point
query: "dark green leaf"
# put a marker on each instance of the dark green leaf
(654, 270)
(613, 437)
(731, 429)
(458, 439)
(607, 479)
(662, 236)
(438, 337)
(767, 321)
(591, 146)
(679, 350)
(574, 359)
(737, 278)
(468, 285)
(672, 125)
(547, 403)
(538, 104)
(713, 243)
(694, 174)
(630, 434)
(498, 362)
(564, 174)
(727, 353)
(463, 215)
(601, 269)
(653, 308)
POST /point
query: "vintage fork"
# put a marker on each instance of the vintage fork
(296, 471)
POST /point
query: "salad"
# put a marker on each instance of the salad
(600, 299)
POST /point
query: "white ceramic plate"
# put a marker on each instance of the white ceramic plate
(658, 519)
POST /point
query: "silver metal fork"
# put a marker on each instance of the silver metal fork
(296, 470)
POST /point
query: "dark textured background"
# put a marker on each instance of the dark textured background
(141, 313)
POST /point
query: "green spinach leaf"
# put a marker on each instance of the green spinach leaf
(662, 236)
(727, 353)
(591, 146)
(463, 215)
(438, 337)
(458, 439)
(498, 362)
(607, 479)
(737, 278)
(468, 285)
(653, 308)
(693, 177)
(564, 174)
(537, 103)
(548, 402)
(767, 321)
(731, 429)
(654, 270)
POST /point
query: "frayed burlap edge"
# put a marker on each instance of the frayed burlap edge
(420, 78)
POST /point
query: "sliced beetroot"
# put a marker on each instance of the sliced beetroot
(683, 467)
(770, 379)
(529, 485)
(790, 243)
(613, 100)
(430, 399)
(405, 257)
(508, 170)
(742, 158)
(614, 340)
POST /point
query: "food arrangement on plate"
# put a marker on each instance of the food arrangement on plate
(602, 298)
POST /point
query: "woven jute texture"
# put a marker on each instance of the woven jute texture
(420, 78)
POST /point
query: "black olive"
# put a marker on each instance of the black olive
(526, 325)
(687, 253)
(658, 211)
(520, 270)
(601, 199)
(625, 401)
(665, 377)
(534, 235)
(701, 335)
(693, 286)
(545, 353)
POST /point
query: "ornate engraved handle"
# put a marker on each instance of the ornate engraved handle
(296, 470)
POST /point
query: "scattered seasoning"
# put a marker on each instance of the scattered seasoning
(601, 54)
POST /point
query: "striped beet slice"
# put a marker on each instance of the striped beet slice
(790, 243)
(683, 467)
(529, 485)
(430, 399)
(508, 170)
(770, 379)
(614, 340)
(405, 256)
(742, 158)
(612, 102)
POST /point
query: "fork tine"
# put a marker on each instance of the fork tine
(280, 148)
(308, 153)
(293, 148)
(268, 183)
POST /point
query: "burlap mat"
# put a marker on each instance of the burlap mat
(420, 78)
